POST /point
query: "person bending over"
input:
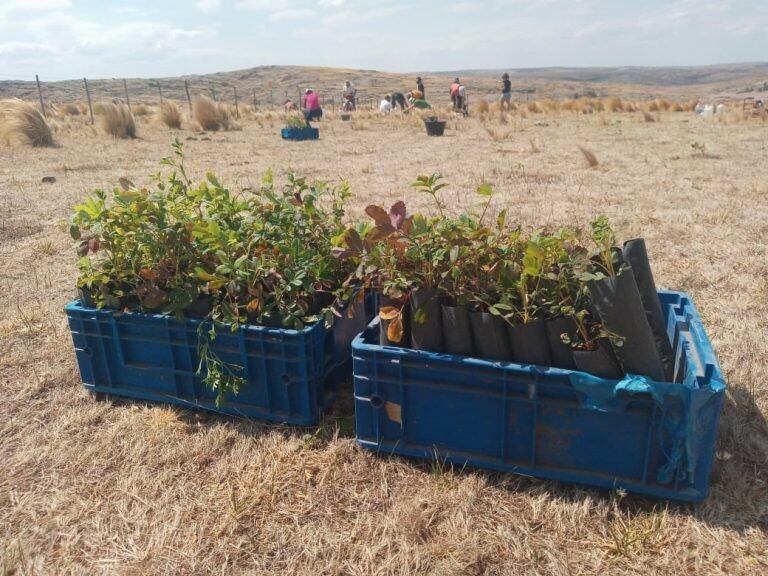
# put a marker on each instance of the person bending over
(310, 105)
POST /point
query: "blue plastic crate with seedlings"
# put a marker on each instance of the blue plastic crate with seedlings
(549, 353)
(195, 295)
(298, 128)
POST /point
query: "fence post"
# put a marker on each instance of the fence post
(160, 91)
(127, 98)
(254, 99)
(213, 91)
(237, 109)
(271, 100)
(189, 100)
(88, 94)
(40, 94)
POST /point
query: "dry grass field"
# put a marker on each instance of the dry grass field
(118, 487)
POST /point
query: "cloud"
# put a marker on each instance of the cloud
(331, 3)
(25, 49)
(208, 6)
(291, 14)
(464, 7)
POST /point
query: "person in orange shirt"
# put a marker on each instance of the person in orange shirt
(455, 98)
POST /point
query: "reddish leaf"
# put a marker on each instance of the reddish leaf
(378, 214)
(407, 225)
(147, 274)
(397, 214)
(377, 234)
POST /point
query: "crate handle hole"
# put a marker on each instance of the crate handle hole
(87, 351)
(377, 401)
(285, 379)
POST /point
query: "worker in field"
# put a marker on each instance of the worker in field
(420, 87)
(398, 99)
(454, 92)
(310, 105)
(506, 92)
(349, 97)
(385, 106)
(418, 103)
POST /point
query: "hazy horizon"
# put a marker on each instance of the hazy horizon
(68, 39)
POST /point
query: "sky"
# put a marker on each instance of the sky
(62, 39)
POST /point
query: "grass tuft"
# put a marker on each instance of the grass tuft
(117, 120)
(21, 123)
(170, 115)
(589, 156)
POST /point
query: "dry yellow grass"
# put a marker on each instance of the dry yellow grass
(117, 120)
(170, 115)
(69, 109)
(22, 124)
(95, 487)
(210, 115)
(140, 110)
(589, 156)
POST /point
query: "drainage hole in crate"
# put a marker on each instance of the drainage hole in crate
(377, 401)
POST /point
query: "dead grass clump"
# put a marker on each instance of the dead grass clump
(597, 105)
(614, 104)
(663, 104)
(568, 105)
(589, 156)
(210, 115)
(551, 105)
(140, 110)
(535, 108)
(170, 115)
(21, 123)
(69, 109)
(648, 117)
(677, 107)
(482, 107)
(117, 120)
(498, 134)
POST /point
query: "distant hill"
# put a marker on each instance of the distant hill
(276, 83)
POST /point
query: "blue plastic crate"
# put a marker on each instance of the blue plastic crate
(300, 133)
(647, 437)
(290, 374)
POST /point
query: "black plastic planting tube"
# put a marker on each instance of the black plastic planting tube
(489, 334)
(598, 362)
(617, 301)
(636, 255)
(562, 353)
(529, 343)
(426, 320)
(457, 333)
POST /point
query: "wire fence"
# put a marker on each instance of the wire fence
(249, 91)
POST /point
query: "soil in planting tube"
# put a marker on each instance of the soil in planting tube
(200, 308)
(636, 255)
(85, 295)
(618, 304)
(561, 353)
(529, 343)
(489, 334)
(457, 331)
(600, 362)
(405, 318)
(426, 320)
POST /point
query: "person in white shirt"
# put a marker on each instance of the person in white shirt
(386, 105)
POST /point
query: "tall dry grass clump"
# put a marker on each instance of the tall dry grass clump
(21, 123)
(614, 104)
(117, 120)
(210, 115)
(648, 117)
(170, 115)
(140, 110)
(589, 156)
(69, 109)
(568, 105)
(534, 107)
(482, 107)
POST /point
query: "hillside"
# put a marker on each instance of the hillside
(276, 83)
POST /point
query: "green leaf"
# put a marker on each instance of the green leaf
(485, 190)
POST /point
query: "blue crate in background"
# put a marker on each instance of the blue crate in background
(652, 438)
(300, 133)
(291, 375)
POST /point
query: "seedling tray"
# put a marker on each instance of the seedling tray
(291, 375)
(300, 133)
(634, 434)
